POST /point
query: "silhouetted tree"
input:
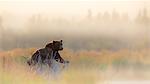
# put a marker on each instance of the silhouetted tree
(99, 17)
(143, 17)
(115, 16)
(106, 16)
(89, 16)
(1, 34)
(138, 17)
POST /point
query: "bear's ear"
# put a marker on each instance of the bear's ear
(61, 40)
(54, 41)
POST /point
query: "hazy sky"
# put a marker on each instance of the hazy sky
(16, 11)
(70, 7)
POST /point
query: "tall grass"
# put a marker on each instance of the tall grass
(86, 67)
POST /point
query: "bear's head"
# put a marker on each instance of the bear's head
(55, 45)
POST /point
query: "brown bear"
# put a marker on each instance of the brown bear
(48, 53)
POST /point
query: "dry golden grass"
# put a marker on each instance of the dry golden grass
(86, 67)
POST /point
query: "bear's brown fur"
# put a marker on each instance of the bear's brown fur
(49, 52)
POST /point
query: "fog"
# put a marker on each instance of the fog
(81, 25)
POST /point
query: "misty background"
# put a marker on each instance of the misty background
(107, 28)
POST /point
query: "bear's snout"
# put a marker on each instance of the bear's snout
(61, 48)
